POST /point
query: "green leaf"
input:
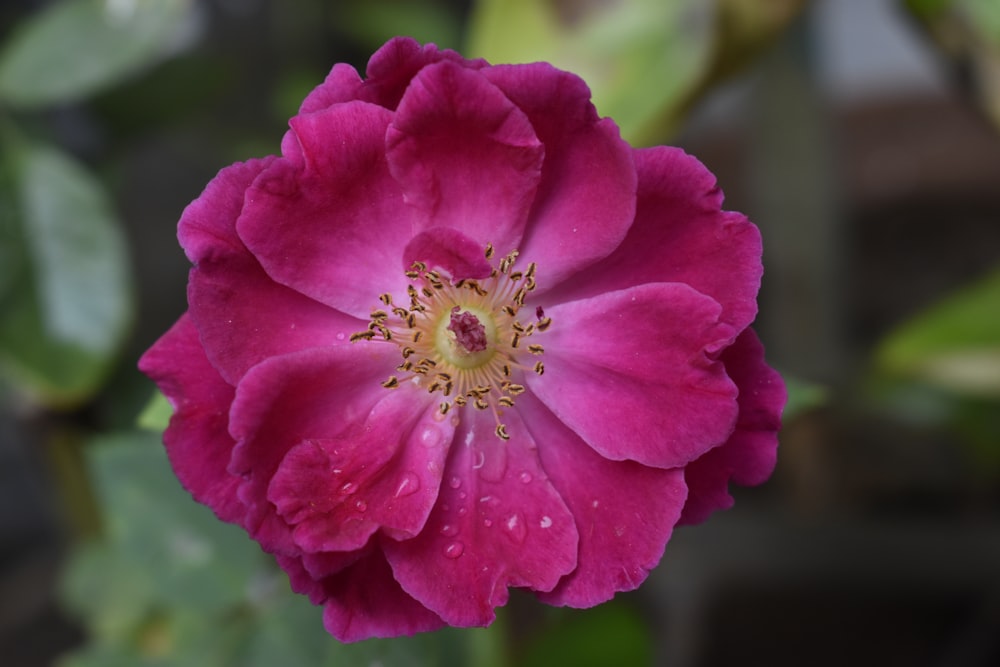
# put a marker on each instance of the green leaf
(641, 58)
(156, 415)
(77, 47)
(954, 345)
(612, 634)
(70, 305)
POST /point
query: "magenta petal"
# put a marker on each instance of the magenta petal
(197, 439)
(748, 457)
(392, 67)
(308, 395)
(624, 511)
(381, 472)
(586, 197)
(334, 228)
(362, 600)
(498, 523)
(341, 85)
(465, 156)
(680, 234)
(450, 250)
(630, 372)
(207, 228)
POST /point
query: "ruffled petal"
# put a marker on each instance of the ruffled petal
(748, 457)
(680, 234)
(465, 156)
(624, 511)
(341, 85)
(362, 600)
(449, 250)
(197, 440)
(308, 395)
(631, 373)
(498, 523)
(381, 472)
(335, 227)
(586, 197)
(393, 66)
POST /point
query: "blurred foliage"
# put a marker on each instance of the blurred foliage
(968, 32)
(646, 61)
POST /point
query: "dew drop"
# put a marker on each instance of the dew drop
(449, 530)
(454, 550)
(462, 511)
(526, 477)
(408, 485)
(348, 488)
(546, 522)
(340, 336)
(431, 437)
(360, 505)
(516, 528)
(488, 522)
(455, 482)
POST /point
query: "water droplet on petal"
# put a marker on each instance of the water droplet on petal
(488, 522)
(431, 437)
(449, 530)
(341, 336)
(454, 550)
(546, 522)
(408, 485)
(516, 528)
(360, 505)
(455, 482)
(462, 511)
(348, 488)
(526, 477)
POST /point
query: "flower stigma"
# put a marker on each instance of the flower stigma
(462, 338)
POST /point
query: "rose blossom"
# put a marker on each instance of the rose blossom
(458, 337)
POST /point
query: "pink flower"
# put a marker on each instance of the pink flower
(460, 337)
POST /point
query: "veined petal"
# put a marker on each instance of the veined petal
(624, 511)
(382, 472)
(197, 441)
(283, 401)
(465, 156)
(498, 522)
(680, 234)
(586, 197)
(631, 373)
(333, 228)
(748, 457)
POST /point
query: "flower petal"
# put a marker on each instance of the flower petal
(465, 156)
(380, 472)
(680, 234)
(308, 395)
(630, 372)
(748, 457)
(498, 523)
(361, 600)
(197, 441)
(448, 249)
(624, 511)
(333, 228)
(586, 197)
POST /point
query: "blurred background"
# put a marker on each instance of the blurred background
(860, 135)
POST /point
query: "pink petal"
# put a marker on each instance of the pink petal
(333, 229)
(465, 156)
(450, 250)
(363, 600)
(197, 440)
(207, 228)
(498, 523)
(308, 395)
(586, 198)
(680, 234)
(624, 512)
(748, 457)
(630, 372)
(393, 66)
(383, 471)
(341, 85)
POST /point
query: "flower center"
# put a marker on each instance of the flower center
(462, 339)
